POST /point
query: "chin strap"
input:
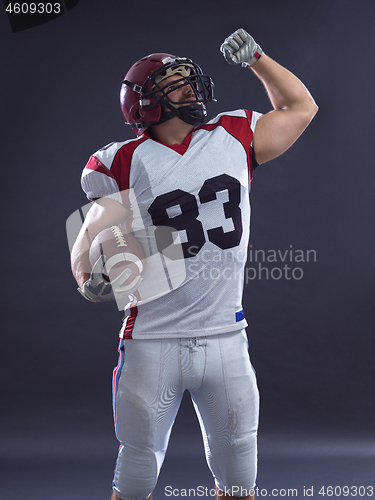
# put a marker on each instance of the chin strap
(194, 114)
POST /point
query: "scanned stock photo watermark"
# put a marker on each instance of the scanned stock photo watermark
(304, 492)
(278, 264)
(171, 260)
(255, 264)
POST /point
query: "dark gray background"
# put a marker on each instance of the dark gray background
(311, 340)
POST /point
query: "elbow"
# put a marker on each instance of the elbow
(312, 107)
(309, 111)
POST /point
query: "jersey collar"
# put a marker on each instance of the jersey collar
(179, 148)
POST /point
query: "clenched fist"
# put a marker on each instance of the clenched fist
(241, 48)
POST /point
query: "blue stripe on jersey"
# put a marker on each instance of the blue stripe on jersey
(240, 315)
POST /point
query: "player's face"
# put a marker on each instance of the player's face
(178, 89)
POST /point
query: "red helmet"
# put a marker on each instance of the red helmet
(141, 90)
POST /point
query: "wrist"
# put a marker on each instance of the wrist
(85, 292)
(255, 58)
(82, 279)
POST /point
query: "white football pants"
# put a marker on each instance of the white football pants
(148, 385)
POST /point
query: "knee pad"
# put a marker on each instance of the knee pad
(236, 473)
(135, 474)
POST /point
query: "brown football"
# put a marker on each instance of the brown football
(123, 253)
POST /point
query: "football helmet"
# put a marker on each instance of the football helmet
(144, 101)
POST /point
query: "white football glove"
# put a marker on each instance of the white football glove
(97, 289)
(241, 48)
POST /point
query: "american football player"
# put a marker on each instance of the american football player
(193, 176)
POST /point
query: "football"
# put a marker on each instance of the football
(124, 258)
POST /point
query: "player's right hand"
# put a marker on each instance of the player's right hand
(241, 48)
(98, 289)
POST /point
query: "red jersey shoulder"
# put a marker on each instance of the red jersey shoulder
(114, 160)
(107, 171)
(113, 152)
(239, 123)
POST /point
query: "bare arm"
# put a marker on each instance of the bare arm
(104, 213)
(294, 108)
(293, 105)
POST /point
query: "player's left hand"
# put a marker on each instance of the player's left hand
(241, 48)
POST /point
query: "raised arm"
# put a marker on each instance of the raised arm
(293, 105)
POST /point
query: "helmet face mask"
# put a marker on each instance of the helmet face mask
(146, 103)
(191, 74)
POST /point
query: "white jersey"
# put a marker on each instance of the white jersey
(191, 213)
